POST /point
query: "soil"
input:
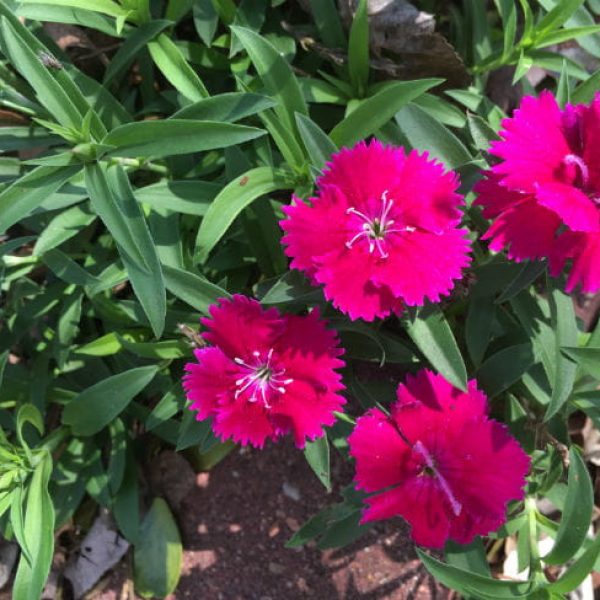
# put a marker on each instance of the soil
(235, 520)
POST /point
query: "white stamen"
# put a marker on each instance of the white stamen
(375, 229)
(260, 378)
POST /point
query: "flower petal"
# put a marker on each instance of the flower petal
(209, 381)
(513, 230)
(244, 422)
(584, 250)
(347, 284)
(304, 411)
(380, 452)
(494, 197)
(590, 125)
(240, 326)
(574, 208)
(533, 145)
(421, 503)
(423, 265)
(314, 230)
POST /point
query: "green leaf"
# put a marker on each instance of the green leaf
(559, 15)
(187, 197)
(230, 107)
(194, 290)
(193, 432)
(62, 227)
(118, 449)
(562, 88)
(98, 405)
(327, 21)
(107, 7)
(478, 328)
(586, 90)
(39, 535)
(587, 358)
(470, 557)
(176, 136)
(565, 328)
(358, 49)
(230, 202)
(481, 132)
(564, 35)
(523, 65)
(39, 11)
(133, 44)
(67, 327)
(374, 112)
(168, 406)
(424, 132)
(504, 368)
(28, 192)
(578, 571)
(206, 20)
(317, 456)
(433, 336)
(291, 287)
(158, 554)
(276, 74)
(508, 13)
(529, 272)
(577, 512)
(316, 141)
(48, 90)
(113, 200)
(172, 64)
(474, 584)
(67, 269)
(126, 502)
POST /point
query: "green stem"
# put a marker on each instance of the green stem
(55, 438)
(536, 571)
(138, 163)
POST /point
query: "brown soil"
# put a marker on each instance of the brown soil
(234, 523)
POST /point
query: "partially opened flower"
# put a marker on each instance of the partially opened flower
(381, 232)
(544, 195)
(438, 461)
(266, 374)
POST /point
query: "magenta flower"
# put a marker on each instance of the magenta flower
(438, 461)
(266, 374)
(381, 232)
(544, 196)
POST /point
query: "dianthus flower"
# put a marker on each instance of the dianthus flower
(266, 374)
(544, 195)
(381, 231)
(438, 461)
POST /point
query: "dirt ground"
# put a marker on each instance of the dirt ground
(235, 520)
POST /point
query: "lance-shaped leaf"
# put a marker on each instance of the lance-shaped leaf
(232, 199)
(176, 136)
(98, 405)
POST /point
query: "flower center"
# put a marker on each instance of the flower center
(260, 379)
(430, 470)
(374, 230)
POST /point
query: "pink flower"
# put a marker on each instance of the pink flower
(381, 232)
(438, 461)
(265, 374)
(544, 195)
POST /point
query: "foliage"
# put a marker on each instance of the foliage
(159, 189)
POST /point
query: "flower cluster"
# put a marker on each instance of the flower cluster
(544, 194)
(383, 232)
